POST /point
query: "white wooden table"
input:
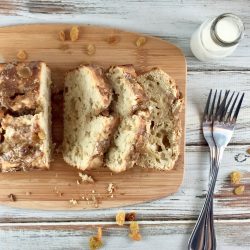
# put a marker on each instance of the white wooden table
(166, 223)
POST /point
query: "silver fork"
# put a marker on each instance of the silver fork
(203, 236)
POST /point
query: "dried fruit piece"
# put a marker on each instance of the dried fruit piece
(24, 72)
(95, 242)
(61, 35)
(74, 33)
(22, 55)
(120, 218)
(12, 197)
(239, 190)
(135, 236)
(113, 39)
(134, 231)
(248, 151)
(130, 216)
(90, 49)
(140, 41)
(235, 177)
(86, 178)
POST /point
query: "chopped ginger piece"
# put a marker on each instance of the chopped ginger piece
(120, 218)
(22, 55)
(140, 41)
(135, 236)
(95, 242)
(239, 190)
(235, 177)
(90, 49)
(74, 33)
(61, 35)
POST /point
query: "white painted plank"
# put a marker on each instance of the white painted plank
(171, 20)
(186, 203)
(231, 235)
(198, 87)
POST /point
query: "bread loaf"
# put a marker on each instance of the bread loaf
(128, 104)
(87, 123)
(161, 149)
(25, 116)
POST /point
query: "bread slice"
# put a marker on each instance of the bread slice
(127, 142)
(164, 130)
(86, 132)
(128, 105)
(25, 116)
(128, 94)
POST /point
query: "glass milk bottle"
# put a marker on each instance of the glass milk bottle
(217, 38)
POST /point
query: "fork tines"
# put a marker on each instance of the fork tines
(224, 110)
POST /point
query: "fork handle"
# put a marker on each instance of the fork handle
(200, 231)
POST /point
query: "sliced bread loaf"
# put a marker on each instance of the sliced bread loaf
(130, 99)
(161, 149)
(86, 132)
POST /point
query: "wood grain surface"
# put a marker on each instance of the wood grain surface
(166, 222)
(54, 189)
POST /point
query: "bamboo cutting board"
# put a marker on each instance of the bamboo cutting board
(54, 189)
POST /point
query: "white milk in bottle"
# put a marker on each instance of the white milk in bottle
(217, 38)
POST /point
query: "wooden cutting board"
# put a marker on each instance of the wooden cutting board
(54, 189)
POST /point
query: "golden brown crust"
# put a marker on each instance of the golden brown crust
(19, 86)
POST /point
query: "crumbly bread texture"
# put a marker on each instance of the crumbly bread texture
(25, 116)
(128, 139)
(161, 149)
(87, 123)
(128, 94)
(130, 100)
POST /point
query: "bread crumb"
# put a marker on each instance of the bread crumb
(78, 182)
(140, 41)
(111, 188)
(74, 33)
(134, 231)
(235, 177)
(130, 216)
(22, 55)
(61, 35)
(95, 242)
(120, 218)
(12, 197)
(24, 72)
(28, 193)
(86, 178)
(93, 191)
(90, 49)
(113, 39)
(239, 190)
(73, 202)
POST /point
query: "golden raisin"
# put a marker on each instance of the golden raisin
(134, 227)
(22, 55)
(74, 33)
(140, 41)
(120, 218)
(239, 190)
(235, 177)
(90, 49)
(24, 72)
(135, 236)
(61, 35)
